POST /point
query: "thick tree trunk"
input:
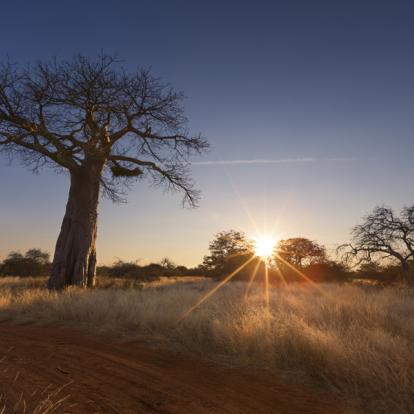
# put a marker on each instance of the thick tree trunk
(74, 262)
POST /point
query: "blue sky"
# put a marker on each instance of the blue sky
(308, 106)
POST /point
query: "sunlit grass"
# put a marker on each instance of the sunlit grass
(360, 345)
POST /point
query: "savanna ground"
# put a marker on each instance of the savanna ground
(354, 345)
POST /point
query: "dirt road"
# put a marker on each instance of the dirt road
(104, 376)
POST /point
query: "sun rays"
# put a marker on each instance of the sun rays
(264, 246)
(262, 254)
(268, 265)
(264, 250)
(252, 277)
(216, 288)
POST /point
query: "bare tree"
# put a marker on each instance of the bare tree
(105, 127)
(383, 235)
(167, 264)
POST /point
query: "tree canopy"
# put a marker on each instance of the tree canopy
(227, 251)
(64, 112)
(301, 252)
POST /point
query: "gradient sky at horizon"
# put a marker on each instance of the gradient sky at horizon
(308, 106)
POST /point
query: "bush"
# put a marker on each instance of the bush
(132, 270)
(152, 271)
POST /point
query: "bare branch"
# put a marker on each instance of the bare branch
(383, 235)
(71, 113)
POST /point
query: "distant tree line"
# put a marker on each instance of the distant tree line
(381, 249)
(36, 262)
(152, 271)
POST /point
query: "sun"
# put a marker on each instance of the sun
(263, 246)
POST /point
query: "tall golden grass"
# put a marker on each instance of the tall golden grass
(355, 341)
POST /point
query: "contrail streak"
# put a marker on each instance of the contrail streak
(273, 161)
(256, 161)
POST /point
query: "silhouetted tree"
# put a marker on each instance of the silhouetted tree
(38, 256)
(301, 252)
(167, 264)
(384, 235)
(105, 127)
(34, 263)
(227, 251)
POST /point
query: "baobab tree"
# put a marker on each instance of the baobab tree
(105, 127)
(383, 235)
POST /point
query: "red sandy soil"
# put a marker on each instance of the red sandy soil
(105, 376)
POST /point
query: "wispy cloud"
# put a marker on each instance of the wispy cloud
(272, 161)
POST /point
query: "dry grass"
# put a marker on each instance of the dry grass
(355, 341)
(49, 403)
(13, 283)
